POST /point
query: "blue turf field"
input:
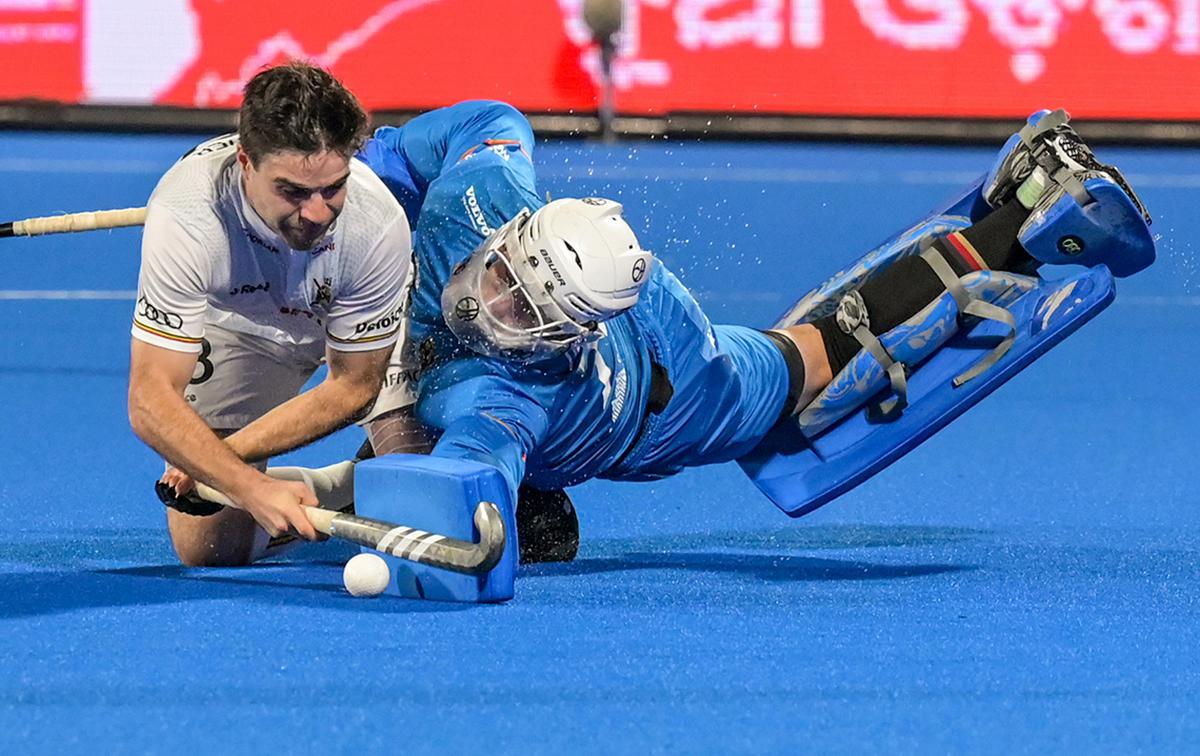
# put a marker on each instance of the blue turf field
(1025, 582)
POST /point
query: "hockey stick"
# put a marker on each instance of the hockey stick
(71, 222)
(330, 485)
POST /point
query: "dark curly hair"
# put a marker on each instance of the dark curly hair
(299, 107)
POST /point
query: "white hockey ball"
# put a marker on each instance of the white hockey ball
(366, 575)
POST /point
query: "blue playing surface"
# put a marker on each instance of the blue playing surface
(1025, 581)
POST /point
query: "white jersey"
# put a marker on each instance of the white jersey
(207, 257)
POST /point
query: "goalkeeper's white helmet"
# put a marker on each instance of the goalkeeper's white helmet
(546, 280)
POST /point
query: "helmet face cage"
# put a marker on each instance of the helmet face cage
(498, 312)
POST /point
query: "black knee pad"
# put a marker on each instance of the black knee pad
(547, 526)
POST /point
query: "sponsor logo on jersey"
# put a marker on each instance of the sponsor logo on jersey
(322, 292)
(405, 376)
(158, 316)
(211, 146)
(622, 388)
(256, 239)
(475, 212)
(326, 247)
(250, 288)
(297, 311)
(386, 323)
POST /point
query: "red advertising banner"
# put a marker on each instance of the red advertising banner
(1136, 59)
(41, 49)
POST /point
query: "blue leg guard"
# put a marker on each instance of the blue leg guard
(984, 329)
(438, 495)
(876, 367)
(824, 300)
(800, 475)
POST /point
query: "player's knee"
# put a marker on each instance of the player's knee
(225, 539)
(201, 555)
(208, 552)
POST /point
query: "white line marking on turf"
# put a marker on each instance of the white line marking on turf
(62, 165)
(714, 173)
(101, 294)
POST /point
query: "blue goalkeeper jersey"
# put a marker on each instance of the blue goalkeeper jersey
(662, 389)
(600, 410)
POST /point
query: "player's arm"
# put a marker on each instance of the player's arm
(167, 328)
(484, 415)
(487, 438)
(463, 207)
(420, 150)
(160, 417)
(398, 431)
(352, 382)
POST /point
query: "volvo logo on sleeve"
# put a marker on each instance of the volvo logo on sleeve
(597, 201)
(475, 212)
(152, 314)
(639, 269)
(466, 308)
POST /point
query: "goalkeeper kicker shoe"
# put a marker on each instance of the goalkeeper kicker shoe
(1083, 212)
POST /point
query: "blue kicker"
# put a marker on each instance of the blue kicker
(438, 495)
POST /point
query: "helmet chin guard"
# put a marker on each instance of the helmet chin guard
(546, 280)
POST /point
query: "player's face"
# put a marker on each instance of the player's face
(298, 195)
(503, 298)
(495, 304)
